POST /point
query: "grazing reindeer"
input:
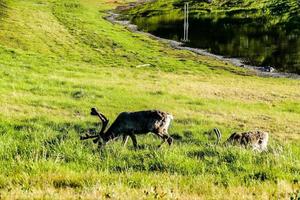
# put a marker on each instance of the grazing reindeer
(258, 140)
(128, 124)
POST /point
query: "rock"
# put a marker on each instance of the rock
(268, 69)
(143, 65)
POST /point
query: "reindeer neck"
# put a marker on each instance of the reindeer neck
(108, 135)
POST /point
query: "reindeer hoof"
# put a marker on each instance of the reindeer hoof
(94, 111)
(170, 140)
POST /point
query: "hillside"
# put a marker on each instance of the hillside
(270, 12)
(60, 58)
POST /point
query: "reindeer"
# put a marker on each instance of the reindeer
(257, 140)
(129, 124)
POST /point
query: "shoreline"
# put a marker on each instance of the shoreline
(259, 71)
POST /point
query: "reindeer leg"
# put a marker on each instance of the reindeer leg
(161, 135)
(134, 141)
(170, 140)
(161, 143)
(125, 140)
(164, 138)
(101, 145)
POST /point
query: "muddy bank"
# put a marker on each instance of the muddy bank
(260, 71)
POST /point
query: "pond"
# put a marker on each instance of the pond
(254, 43)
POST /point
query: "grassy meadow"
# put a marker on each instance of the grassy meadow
(60, 58)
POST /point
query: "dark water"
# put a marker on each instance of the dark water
(254, 42)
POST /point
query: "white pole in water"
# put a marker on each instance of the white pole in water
(186, 22)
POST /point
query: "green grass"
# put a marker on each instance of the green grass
(269, 12)
(60, 58)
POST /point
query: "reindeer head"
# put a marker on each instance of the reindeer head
(99, 138)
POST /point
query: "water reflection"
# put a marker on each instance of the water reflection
(256, 43)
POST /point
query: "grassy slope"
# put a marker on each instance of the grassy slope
(59, 58)
(270, 12)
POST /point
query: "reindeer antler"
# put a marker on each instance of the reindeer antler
(88, 136)
(218, 134)
(100, 115)
(103, 119)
